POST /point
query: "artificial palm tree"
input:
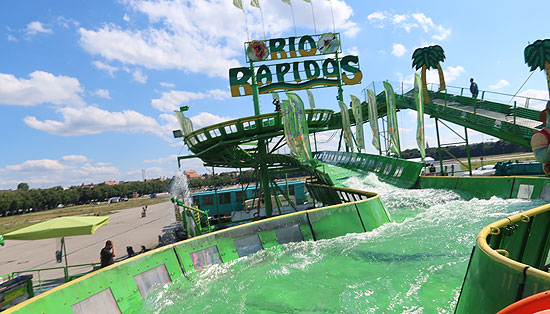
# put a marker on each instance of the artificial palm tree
(429, 58)
(537, 55)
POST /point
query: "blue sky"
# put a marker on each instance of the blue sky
(87, 88)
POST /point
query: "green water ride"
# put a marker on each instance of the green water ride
(508, 262)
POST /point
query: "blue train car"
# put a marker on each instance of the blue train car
(228, 200)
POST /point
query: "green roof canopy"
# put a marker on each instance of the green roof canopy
(59, 227)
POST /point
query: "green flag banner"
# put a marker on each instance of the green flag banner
(373, 119)
(238, 4)
(255, 3)
(301, 130)
(311, 99)
(185, 123)
(358, 115)
(393, 128)
(420, 139)
(188, 126)
(346, 128)
(287, 113)
(179, 116)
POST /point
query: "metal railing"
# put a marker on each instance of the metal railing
(41, 281)
(235, 129)
(504, 98)
(333, 195)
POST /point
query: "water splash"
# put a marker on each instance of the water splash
(415, 264)
(180, 188)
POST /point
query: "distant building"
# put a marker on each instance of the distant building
(191, 174)
(111, 183)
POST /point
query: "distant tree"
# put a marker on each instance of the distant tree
(23, 186)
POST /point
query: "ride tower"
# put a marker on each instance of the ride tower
(277, 65)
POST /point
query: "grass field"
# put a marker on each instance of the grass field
(491, 160)
(12, 223)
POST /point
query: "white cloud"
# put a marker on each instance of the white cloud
(167, 85)
(177, 36)
(172, 100)
(65, 22)
(450, 73)
(41, 87)
(67, 170)
(500, 84)
(381, 19)
(537, 98)
(432, 77)
(103, 93)
(11, 38)
(139, 76)
(126, 17)
(353, 51)
(204, 119)
(42, 165)
(105, 67)
(162, 160)
(93, 120)
(36, 27)
(398, 50)
(74, 159)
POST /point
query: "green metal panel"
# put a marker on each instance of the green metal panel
(327, 222)
(488, 286)
(119, 277)
(334, 221)
(438, 182)
(486, 188)
(537, 183)
(372, 213)
(536, 248)
(268, 238)
(534, 283)
(514, 239)
(360, 163)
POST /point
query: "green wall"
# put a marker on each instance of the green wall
(115, 287)
(399, 172)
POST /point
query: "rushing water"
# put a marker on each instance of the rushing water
(415, 264)
(180, 189)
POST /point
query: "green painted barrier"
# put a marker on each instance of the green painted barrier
(506, 263)
(432, 182)
(122, 287)
(531, 188)
(399, 172)
(480, 187)
(334, 221)
(486, 187)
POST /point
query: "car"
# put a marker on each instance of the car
(124, 199)
(486, 170)
(115, 199)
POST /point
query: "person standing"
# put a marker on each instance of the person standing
(473, 88)
(107, 254)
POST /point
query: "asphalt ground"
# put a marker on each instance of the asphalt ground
(125, 228)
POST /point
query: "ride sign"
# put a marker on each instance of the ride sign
(294, 75)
